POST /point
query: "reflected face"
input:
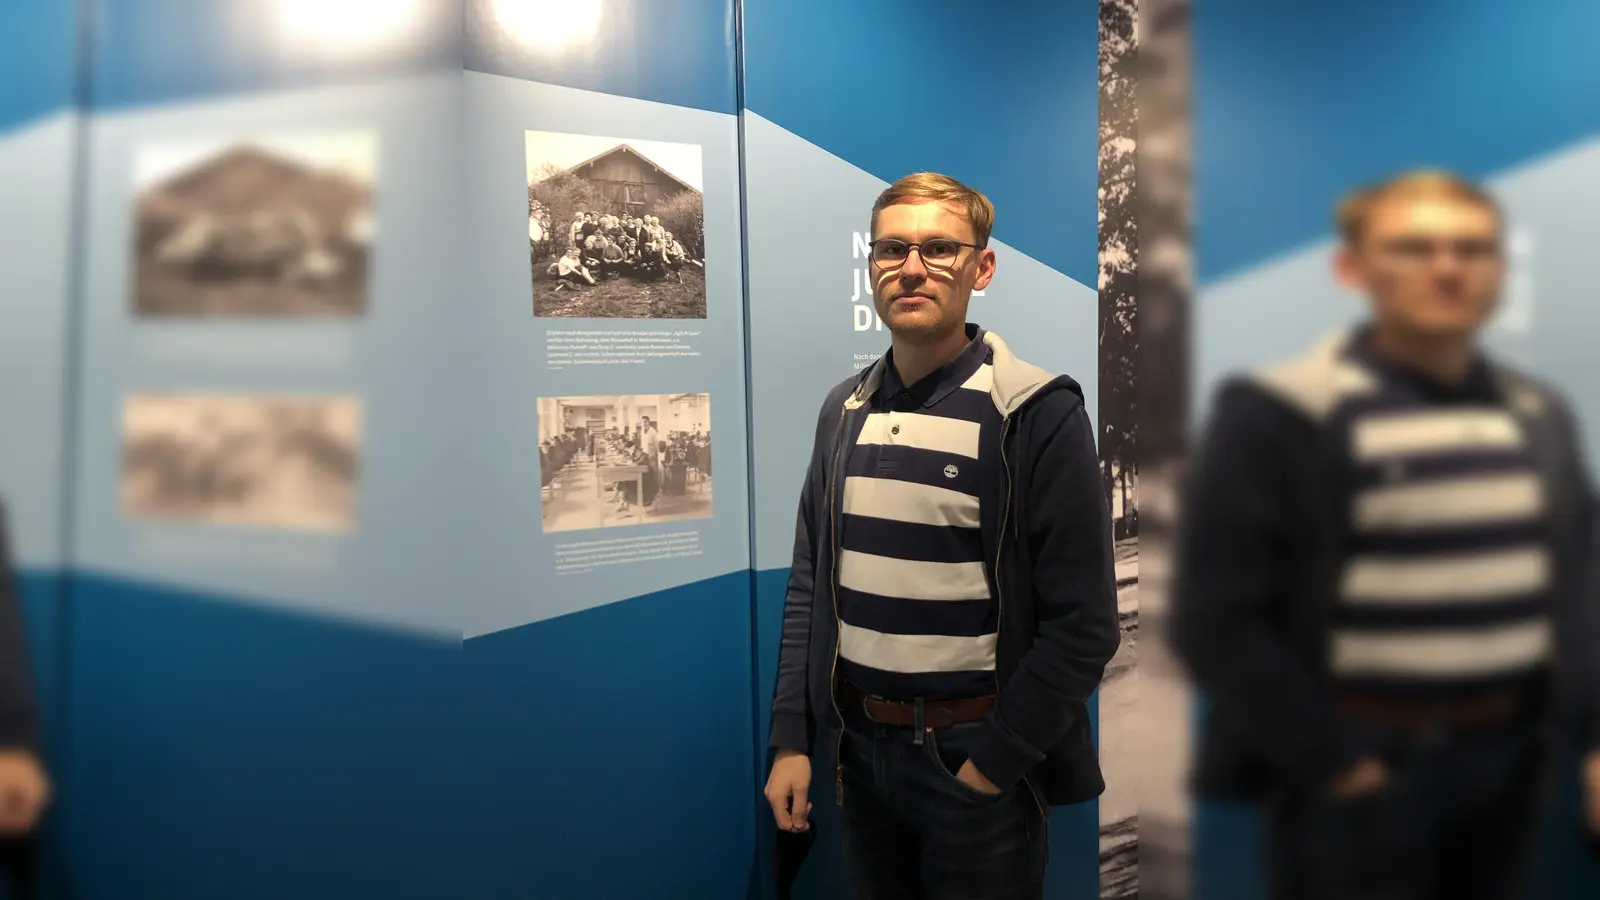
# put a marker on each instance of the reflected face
(918, 303)
(1432, 267)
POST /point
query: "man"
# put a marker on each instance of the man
(24, 789)
(650, 443)
(1384, 584)
(952, 602)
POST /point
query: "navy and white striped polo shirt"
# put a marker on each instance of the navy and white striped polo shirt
(1447, 567)
(918, 618)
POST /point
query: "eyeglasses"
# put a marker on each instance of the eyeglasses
(938, 254)
(1414, 252)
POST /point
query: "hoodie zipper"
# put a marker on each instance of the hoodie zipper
(999, 592)
(838, 620)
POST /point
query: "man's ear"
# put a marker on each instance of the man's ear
(986, 263)
(1347, 268)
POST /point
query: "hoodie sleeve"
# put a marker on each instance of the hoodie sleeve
(793, 720)
(1074, 582)
(18, 727)
(1586, 609)
(1238, 571)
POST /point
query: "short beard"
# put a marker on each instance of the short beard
(918, 333)
(921, 334)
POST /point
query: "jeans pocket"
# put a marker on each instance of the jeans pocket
(947, 757)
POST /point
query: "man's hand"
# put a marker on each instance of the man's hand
(24, 792)
(972, 778)
(787, 788)
(1363, 778)
(1591, 790)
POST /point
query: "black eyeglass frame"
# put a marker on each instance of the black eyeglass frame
(872, 247)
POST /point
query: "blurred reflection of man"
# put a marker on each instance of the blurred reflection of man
(952, 602)
(24, 789)
(1384, 578)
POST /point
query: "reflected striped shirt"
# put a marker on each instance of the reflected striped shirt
(1447, 573)
(918, 619)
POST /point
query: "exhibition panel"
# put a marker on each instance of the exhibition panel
(1295, 107)
(608, 636)
(832, 114)
(39, 139)
(365, 362)
(266, 548)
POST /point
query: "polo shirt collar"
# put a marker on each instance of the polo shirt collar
(1479, 383)
(938, 384)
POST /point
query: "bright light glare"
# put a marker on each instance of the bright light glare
(347, 27)
(548, 23)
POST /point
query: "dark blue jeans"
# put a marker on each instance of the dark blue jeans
(912, 831)
(1456, 820)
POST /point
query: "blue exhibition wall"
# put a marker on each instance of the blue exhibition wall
(259, 702)
(608, 658)
(39, 131)
(832, 114)
(278, 283)
(1296, 105)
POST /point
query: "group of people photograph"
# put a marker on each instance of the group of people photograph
(616, 227)
(608, 246)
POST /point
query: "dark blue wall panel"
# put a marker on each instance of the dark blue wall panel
(679, 53)
(1296, 103)
(160, 51)
(1005, 101)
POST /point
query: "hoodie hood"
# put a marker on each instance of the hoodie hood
(1015, 380)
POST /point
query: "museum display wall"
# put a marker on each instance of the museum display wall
(370, 541)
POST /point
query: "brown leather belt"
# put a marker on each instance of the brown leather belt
(935, 713)
(1477, 712)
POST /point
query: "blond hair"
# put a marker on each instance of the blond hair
(931, 187)
(1355, 210)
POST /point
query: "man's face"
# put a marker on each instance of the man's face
(918, 303)
(1431, 266)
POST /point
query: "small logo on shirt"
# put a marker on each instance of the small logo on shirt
(951, 471)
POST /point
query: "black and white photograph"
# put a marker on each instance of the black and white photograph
(624, 460)
(616, 227)
(1165, 280)
(265, 227)
(288, 463)
(1119, 432)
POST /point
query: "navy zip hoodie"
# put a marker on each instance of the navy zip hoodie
(1255, 572)
(18, 727)
(1046, 532)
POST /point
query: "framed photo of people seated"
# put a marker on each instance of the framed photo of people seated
(637, 459)
(266, 227)
(616, 227)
